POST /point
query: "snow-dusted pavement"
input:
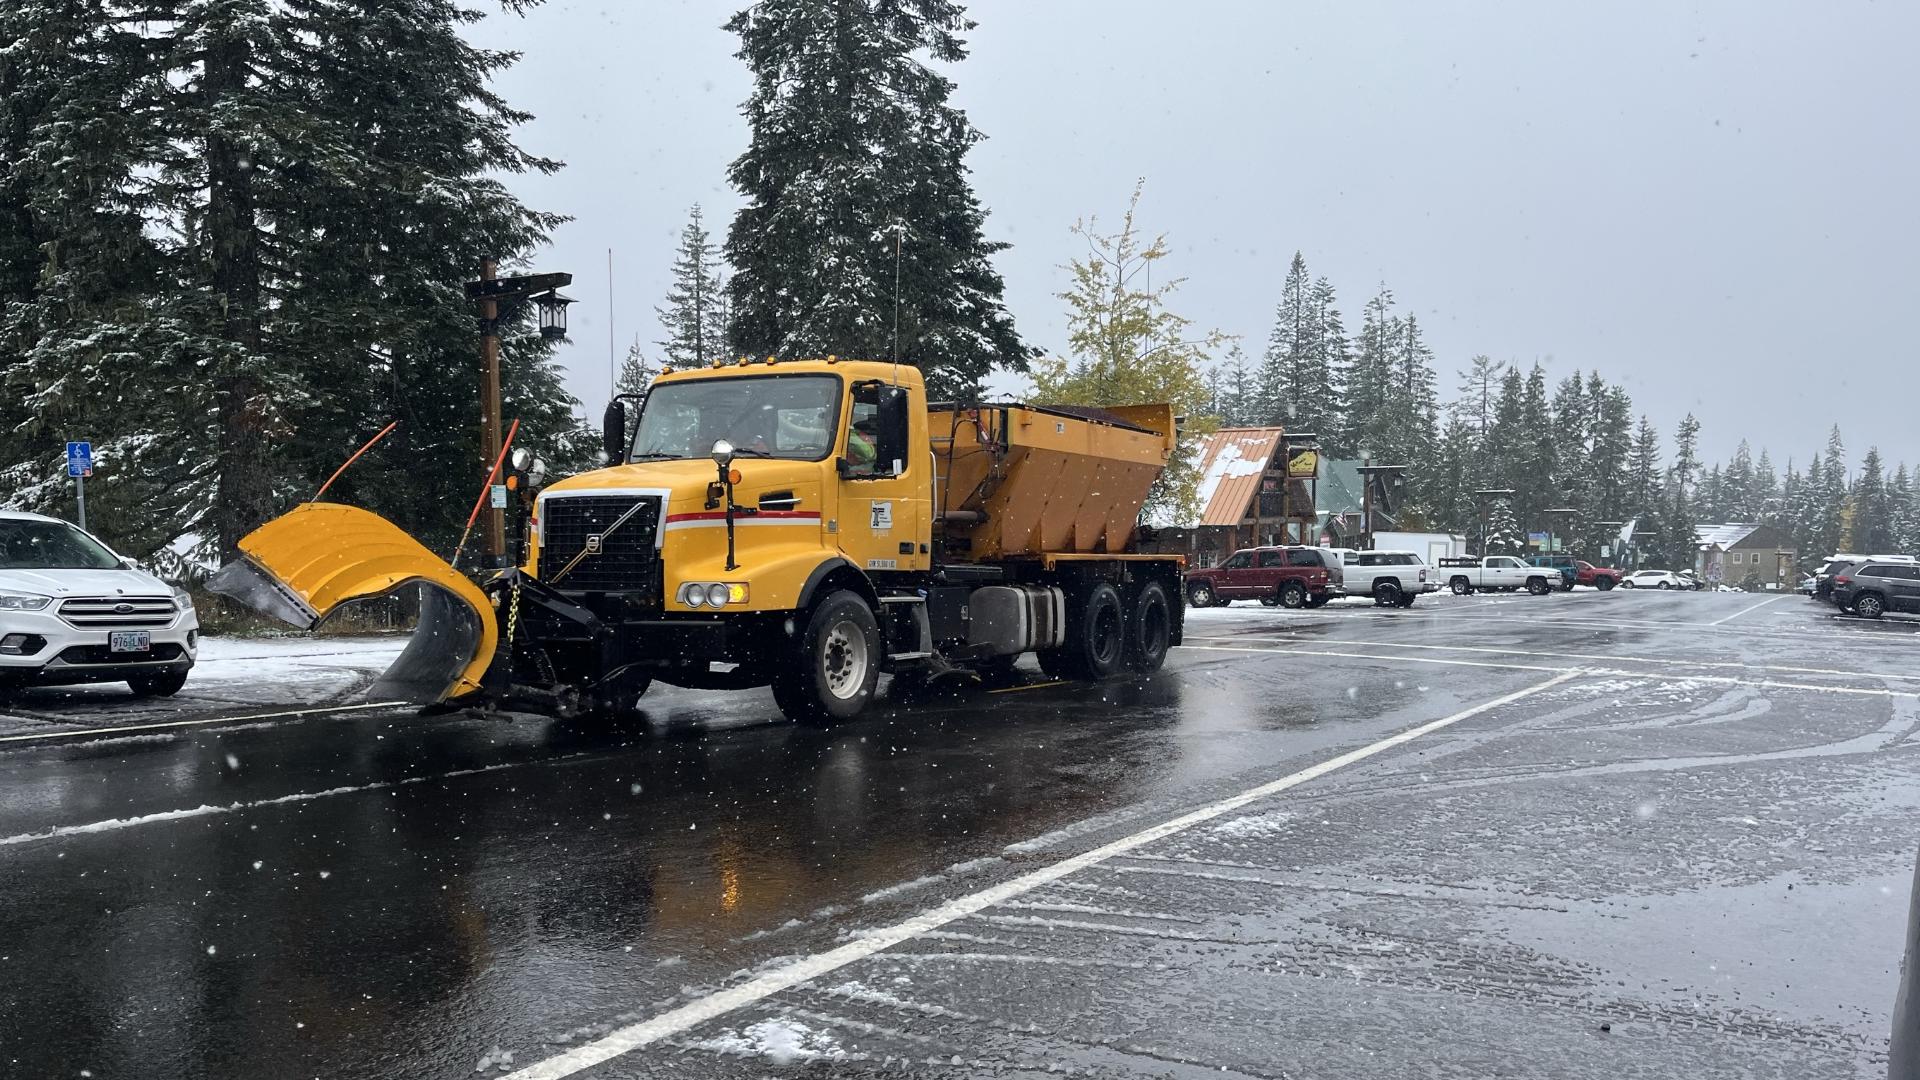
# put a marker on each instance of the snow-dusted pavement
(1581, 835)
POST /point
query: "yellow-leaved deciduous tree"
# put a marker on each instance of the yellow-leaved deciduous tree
(1127, 348)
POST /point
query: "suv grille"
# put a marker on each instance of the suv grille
(627, 560)
(117, 612)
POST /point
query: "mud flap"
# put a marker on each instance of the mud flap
(307, 564)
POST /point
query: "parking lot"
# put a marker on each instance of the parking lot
(1583, 834)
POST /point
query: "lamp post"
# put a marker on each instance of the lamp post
(490, 292)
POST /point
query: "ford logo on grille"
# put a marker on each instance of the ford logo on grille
(123, 609)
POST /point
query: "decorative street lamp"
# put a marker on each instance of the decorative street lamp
(489, 292)
(553, 314)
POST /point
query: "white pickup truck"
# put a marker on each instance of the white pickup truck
(1496, 573)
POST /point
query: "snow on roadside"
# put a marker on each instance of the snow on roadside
(781, 1041)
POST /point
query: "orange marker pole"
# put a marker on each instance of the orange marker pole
(505, 445)
(351, 460)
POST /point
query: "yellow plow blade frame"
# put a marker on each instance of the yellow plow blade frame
(306, 564)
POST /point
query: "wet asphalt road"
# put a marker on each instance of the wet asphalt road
(1670, 836)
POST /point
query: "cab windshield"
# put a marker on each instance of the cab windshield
(781, 416)
(50, 545)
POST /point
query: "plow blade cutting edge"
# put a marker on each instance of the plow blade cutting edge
(307, 564)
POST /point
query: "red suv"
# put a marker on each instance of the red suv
(1600, 577)
(1276, 576)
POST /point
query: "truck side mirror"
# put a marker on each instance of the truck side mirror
(890, 423)
(613, 431)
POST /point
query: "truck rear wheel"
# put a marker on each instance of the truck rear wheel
(1096, 636)
(835, 665)
(1150, 630)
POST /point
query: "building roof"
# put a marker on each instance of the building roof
(1725, 536)
(1231, 461)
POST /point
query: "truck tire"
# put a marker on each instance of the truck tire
(1200, 594)
(1461, 586)
(1096, 636)
(1149, 629)
(1604, 584)
(835, 664)
(1538, 586)
(1293, 594)
(157, 684)
(1386, 592)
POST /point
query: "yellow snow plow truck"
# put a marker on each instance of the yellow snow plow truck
(803, 525)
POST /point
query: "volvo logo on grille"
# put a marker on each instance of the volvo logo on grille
(593, 544)
(123, 609)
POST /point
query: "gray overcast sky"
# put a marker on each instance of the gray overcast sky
(1712, 203)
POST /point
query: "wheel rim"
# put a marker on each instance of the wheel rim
(1867, 605)
(1200, 595)
(843, 659)
(1293, 596)
(1459, 588)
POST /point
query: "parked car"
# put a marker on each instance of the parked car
(1599, 577)
(1807, 584)
(1567, 566)
(1495, 573)
(1871, 589)
(72, 611)
(1842, 563)
(1276, 576)
(1392, 578)
(1654, 579)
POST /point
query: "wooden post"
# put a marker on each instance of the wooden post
(495, 531)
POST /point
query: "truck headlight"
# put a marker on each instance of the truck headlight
(717, 595)
(23, 601)
(693, 596)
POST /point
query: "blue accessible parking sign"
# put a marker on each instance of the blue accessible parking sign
(79, 459)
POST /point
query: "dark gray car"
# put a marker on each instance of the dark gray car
(1871, 589)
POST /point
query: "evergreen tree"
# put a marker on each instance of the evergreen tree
(1325, 413)
(1534, 466)
(1764, 493)
(1643, 469)
(1736, 486)
(1901, 496)
(694, 316)
(635, 373)
(1686, 454)
(1479, 387)
(1503, 532)
(1369, 376)
(859, 225)
(1829, 526)
(1294, 331)
(1873, 513)
(1710, 498)
(1449, 497)
(1128, 348)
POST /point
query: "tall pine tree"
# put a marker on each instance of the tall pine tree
(860, 228)
(694, 316)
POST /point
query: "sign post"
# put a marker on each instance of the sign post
(80, 466)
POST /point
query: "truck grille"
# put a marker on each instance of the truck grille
(117, 612)
(626, 560)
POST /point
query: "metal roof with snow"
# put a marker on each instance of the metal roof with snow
(1230, 467)
(1724, 536)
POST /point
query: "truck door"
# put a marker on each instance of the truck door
(1231, 582)
(885, 484)
(1269, 569)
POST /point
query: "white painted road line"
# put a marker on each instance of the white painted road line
(675, 1021)
(1745, 610)
(44, 736)
(1614, 658)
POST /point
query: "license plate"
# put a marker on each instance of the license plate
(130, 641)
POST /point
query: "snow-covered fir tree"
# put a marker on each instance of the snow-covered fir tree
(860, 228)
(694, 315)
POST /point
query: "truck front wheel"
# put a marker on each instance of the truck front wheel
(1096, 637)
(835, 665)
(1150, 630)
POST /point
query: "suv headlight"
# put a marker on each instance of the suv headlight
(182, 598)
(10, 601)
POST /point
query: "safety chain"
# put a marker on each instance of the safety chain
(513, 620)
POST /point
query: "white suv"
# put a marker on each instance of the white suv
(71, 611)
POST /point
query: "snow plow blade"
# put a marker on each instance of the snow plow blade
(307, 564)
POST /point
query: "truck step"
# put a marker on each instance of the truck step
(909, 655)
(903, 599)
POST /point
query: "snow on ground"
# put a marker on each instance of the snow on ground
(293, 668)
(780, 1040)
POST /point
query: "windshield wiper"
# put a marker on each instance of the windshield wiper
(655, 455)
(750, 450)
